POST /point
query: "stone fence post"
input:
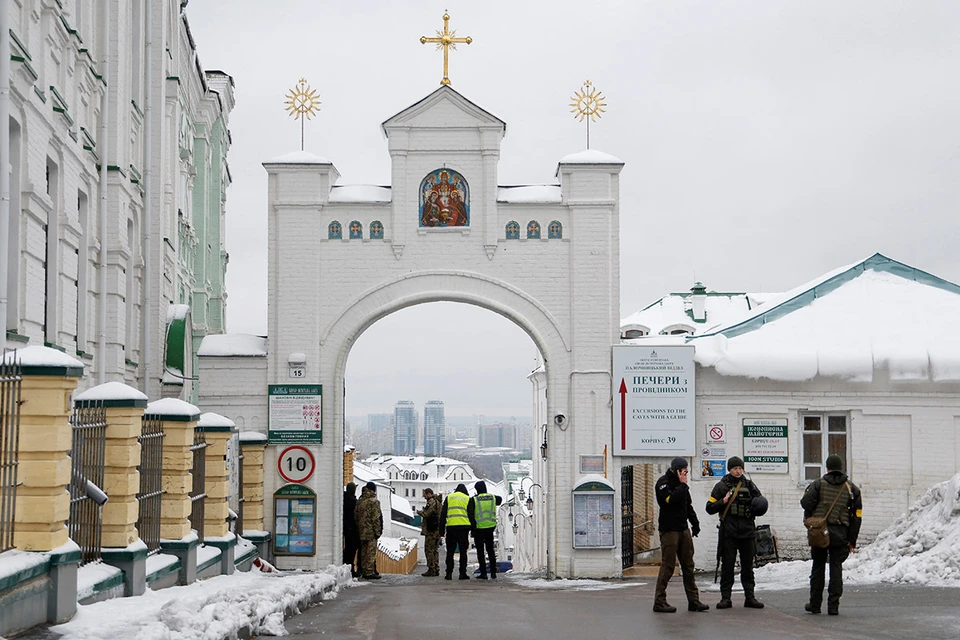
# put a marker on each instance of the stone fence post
(120, 541)
(179, 420)
(218, 430)
(49, 378)
(253, 444)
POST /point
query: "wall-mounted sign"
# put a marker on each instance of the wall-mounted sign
(713, 461)
(653, 400)
(593, 514)
(298, 371)
(765, 447)
(716, 433)
(295, 412)
(294, 521)
(592, 464)
(296, 464)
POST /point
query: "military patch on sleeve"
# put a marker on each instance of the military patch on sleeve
(859, 513)
(712, 499)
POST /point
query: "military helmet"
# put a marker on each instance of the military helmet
(759, 506)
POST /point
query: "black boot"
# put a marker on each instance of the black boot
(724, 603)
(811, 608)
(447, 576)
(697, 606)
(751, 602)
(663, 608)
(464, 576)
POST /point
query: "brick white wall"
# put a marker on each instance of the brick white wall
(902, 439)
(564, 293)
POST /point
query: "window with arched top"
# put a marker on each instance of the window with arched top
(356, 230)
(677, 330)
(634, 333)
(555, 230)
(513, 230)
(533, 230)
(376, 230)
(334, 231)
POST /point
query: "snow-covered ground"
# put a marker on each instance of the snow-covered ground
(922, 547)
(572, 585)
(210, 609)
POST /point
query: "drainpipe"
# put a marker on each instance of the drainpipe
(146, 310)
(104, 149)
(4, 167)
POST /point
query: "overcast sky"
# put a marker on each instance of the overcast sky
(765, 143)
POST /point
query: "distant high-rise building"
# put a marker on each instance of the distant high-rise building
(405, 428)
(434, 429)
(378, 421)
(497, 435)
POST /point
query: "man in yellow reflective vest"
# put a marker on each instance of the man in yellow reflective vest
(482, 512)
(455, 524)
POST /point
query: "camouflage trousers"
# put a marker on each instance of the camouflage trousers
(432, 552)
(368, 554)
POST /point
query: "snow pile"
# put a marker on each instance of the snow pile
(207, 610)
(922, 547)
(573, 585)
(396, 548)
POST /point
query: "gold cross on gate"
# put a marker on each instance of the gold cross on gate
(446, 40)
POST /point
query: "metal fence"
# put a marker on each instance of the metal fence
(89, 423)
(150, 497)
(238, 525)
(198, 495)
(9, 445)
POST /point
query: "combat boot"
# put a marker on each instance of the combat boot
(663, 608)
(724, 603)
(697, 606)
(751, 602)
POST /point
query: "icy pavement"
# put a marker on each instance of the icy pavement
(211, 609)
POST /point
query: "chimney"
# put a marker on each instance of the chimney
(699, 298)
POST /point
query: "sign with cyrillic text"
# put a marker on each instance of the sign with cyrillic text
(765, 446)
(653, 401)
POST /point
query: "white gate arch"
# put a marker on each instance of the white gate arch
(343, 257)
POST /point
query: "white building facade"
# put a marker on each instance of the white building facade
(118, 178)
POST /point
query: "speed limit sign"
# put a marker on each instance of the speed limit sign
(296, 464)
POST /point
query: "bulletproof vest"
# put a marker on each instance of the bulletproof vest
(841, 512)
(741, 506)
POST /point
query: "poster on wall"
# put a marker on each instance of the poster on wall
(294, 521)
(294, 415)
(653, 401)
(713, 461)
(765, 446)
(593, 516)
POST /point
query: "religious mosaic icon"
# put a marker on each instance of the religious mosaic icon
(444, 200)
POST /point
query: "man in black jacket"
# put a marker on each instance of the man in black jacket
(676, 507)
(833, 496)
(455, 525)
(733, 499)
(351, 534)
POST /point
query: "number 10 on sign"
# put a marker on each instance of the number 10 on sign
(296, 464)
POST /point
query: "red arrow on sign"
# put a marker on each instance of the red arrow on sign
(623, 414)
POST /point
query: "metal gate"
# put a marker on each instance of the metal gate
(626, 516)
(9, 445)
(198, 495)
(150, 497)
(89, 423)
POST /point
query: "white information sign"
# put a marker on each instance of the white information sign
(765, 447)
(653, 402)
(716, 433)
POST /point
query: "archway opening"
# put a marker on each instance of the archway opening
(443, 393)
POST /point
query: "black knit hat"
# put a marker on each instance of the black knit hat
(834, 462)
(734, 461)
(371, 486)
(678, 463)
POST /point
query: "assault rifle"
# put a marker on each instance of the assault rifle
(720, 529)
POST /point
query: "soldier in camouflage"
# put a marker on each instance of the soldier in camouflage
(430, 529)
(370, 524)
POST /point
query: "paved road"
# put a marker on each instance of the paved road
(407, 607)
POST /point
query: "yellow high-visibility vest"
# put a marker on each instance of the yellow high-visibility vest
(457, 510)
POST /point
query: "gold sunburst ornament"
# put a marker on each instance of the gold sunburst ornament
(588, 104)
(446, 40)
(302, 103)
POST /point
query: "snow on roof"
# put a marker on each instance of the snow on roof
(590, 156)
(401, 504)
(233, 344)
(112, 391)
(675, 310)
(172, 407)
(252, 436)
(359, 193)
(532, 193)
(298, 157)
(594, 477)
(363, 474)
(210, 419)
(37, 356)
(878, 313)
(396, 548)
(177, 312)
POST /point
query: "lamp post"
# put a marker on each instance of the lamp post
(529, 499)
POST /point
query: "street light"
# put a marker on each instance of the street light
(516, 520)
(529, 499)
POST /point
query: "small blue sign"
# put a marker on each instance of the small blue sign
(712, 468)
